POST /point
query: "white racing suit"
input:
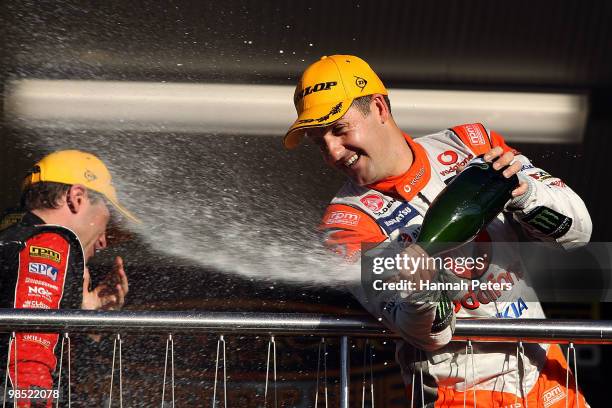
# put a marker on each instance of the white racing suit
(392, 210)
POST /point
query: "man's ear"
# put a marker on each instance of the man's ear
(379, 106)
(76, 196)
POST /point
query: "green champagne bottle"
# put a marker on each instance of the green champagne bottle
(465, 206)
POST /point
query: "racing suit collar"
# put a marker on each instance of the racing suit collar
(408, 185)
(30, 218)
(13, 216)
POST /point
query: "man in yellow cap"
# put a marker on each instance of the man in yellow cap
(44, 258)
(344, 109)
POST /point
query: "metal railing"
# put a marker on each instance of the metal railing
(279, 324)
(497, 330)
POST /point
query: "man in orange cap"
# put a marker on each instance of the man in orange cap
(343, 108)
(44, 256)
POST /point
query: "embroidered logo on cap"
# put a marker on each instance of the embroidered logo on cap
(90, 176)
(360, 82)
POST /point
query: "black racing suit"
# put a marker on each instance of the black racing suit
(41, 267)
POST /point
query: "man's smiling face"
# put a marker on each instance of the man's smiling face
(354, 145)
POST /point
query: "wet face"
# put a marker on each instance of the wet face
(355, 145)
(92, 225)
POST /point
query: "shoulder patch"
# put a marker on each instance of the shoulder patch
(540, 175)
(475, 136)
(373, 201)
(46, 253)
(399, 218)
(339, 217)
(342, 216)
(43, 269)
(548, 221)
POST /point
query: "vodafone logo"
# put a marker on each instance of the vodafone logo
(408, 187)
(448, 157)
(454, 168)
(373, 201)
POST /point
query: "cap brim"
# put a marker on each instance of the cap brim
(124, 211)
(317, 116)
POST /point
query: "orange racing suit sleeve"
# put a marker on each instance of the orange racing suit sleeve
(346, 228)
(549, 210)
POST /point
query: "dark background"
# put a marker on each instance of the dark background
(483, 45)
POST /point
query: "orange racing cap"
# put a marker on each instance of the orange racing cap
(326, 91)
(77, 167)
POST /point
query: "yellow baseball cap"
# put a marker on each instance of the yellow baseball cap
(326, 91)
(77, 167)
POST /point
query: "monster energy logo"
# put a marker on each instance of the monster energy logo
(548, 221)
(545, 219)
(444, 313)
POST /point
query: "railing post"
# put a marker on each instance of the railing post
(344, 372)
